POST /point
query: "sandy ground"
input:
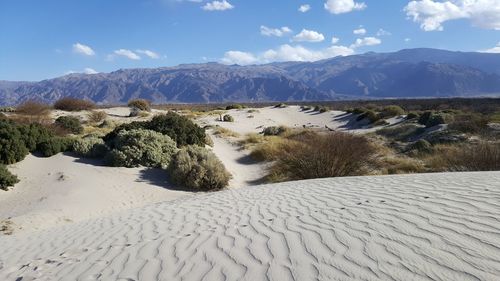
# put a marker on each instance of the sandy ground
(63, 189)
(405, 227)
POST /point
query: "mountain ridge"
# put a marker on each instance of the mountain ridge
(406, 73)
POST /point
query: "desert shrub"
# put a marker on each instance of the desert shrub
(209, 141)
(320, 156)
(70, 123)
(179, 128)
(401, 165)
(228, 118)
(97, 116)
(358, 110)
(235, 106)
(182, 130)
(421, 146)
(412, 115)
(33, 109)
(469, 123)
(435, 119)
(6, 178)
(253, 111)
(400, 133)
(280, 105)
(380, 122)
(391, 111)
(141, 104)
(482, 156)
(370, 115)
(198, 169)
(275, 130)
(54, 146)
(141, 148)
(12, 146)
(424, 117)
(92, 147)
(73, 104)
(445, 136)
(3, 116)
(33, 134)
(272, 148)
(7, 109)
(107, 124)
(305, 108)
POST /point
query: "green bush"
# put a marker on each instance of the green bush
(33, 134)
(412, 115)
(6, 178)
(12, 146)
(280, 105)
(198, 169)
(228, 118)
(179, 128)
(92, 147)
(141, 104)
(141, 147)
(54, 146)
(70, 123)
(424, 117)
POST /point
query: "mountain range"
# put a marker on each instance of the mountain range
(410, 73)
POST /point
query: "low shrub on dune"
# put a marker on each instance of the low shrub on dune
(55, 145)
(482, 156)
(91, 147)
(198, 169)
(141, 147)
(140, 104)
(69, 123)
(97, 116)
(320, 156)
(73, 104)
(6, 178)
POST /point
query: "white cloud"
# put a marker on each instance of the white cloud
(238, 57)
(359, 31)
(127, 53)
(83, 49)
(304, 8)
(431, 14)
(148, 53)
(382, 32)
(86, 70)
(407, 40)
(286, 53)
(335, 40)
(367, 41)
(343, 6)
(89, 70)
(217, 6)
(495, 49)
(309, 36)
(279, 32)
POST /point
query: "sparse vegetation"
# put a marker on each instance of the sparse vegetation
(90, 146)
(221, 131)
(235, 106)
(198, 169)
(275, 130)
(97, 116)
(482, 156)
(73, 104)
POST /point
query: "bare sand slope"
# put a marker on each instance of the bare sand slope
(405, 227)
(62, 189)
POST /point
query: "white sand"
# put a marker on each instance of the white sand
(292, 117)
(405, 227)
(62, 189)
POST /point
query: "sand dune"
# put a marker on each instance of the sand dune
(405, 227)
(64, 189)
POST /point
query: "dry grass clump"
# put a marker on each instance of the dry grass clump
(97, 116)
(482, 156)
(251, 139)
(225, 132)
(401, 165)
(32, 112)
(273, 148)
(73, 104)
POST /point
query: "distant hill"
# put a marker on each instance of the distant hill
(404, 74)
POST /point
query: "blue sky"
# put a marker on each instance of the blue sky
(50, 38)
